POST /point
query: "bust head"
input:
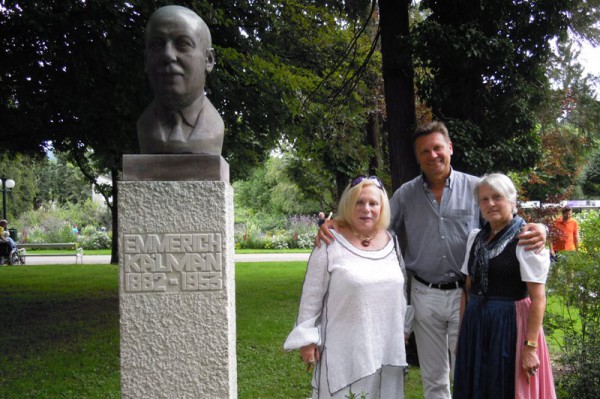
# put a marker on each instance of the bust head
(178, 55)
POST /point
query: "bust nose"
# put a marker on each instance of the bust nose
(169, 53)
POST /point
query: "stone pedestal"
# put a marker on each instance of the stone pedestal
(177, 290)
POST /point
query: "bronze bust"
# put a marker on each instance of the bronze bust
(178, 58)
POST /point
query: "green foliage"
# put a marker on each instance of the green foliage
(53, 223)
(96, 240)
(297, 231)
(567, 122)
(554, 178)
(270, 191)
(41, 181)
(21, 169)
(352, 395)
(590, 178)
(72, 74)
(61, 182)
(574, 284)
(483, 71)
(589, 232)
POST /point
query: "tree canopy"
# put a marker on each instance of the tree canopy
(72, 74)
(484, 67)
(304, 76)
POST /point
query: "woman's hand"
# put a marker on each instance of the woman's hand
(310, 355)
(529, 361)
(529, 357)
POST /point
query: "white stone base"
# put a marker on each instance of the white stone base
(177, 290)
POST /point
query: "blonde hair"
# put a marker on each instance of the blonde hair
(350, 198)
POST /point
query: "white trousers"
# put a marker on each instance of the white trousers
(436, 323)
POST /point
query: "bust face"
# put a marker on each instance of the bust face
(177, 56)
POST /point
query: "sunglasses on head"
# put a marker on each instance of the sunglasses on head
(360, 178)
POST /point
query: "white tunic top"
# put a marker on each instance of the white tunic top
(353, 307)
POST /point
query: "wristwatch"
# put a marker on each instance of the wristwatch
(532, 344)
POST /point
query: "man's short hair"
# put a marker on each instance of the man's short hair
(429, 128)
(566, 209)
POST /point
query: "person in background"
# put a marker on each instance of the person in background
(5, 234)
(565, 233)
(502, 351)
(435, 212)
(351, 322)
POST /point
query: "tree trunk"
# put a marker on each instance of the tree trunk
(398, 76)
(374, 140)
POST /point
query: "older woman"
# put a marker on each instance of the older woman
(350, 324)
(502, 351)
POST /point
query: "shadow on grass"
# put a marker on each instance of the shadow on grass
(50, 323)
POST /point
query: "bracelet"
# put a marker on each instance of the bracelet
(532, 344)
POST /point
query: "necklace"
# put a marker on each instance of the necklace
(364, 240)
(495, 232)
(498, 230)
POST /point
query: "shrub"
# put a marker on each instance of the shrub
(96, 240)
(574, 284)
(306, 240)
(297, 231)
(52, 224)
(278, 240)
(249, 237)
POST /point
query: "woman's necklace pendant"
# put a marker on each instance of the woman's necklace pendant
(364, 241)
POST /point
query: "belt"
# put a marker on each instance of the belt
(441, 286)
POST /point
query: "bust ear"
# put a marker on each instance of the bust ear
(210, 59)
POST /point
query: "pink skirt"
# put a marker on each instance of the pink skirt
(541, 385)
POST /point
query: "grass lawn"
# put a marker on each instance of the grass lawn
(59, 332)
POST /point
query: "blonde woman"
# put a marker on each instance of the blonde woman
(350, 325)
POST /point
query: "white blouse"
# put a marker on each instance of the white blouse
(534, 267)
(352, 306)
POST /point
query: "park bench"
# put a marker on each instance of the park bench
(71, 246)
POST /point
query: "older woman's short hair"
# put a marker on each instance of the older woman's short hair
(350, 198)
(501, 184)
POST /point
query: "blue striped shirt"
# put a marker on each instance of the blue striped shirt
(436, 233)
